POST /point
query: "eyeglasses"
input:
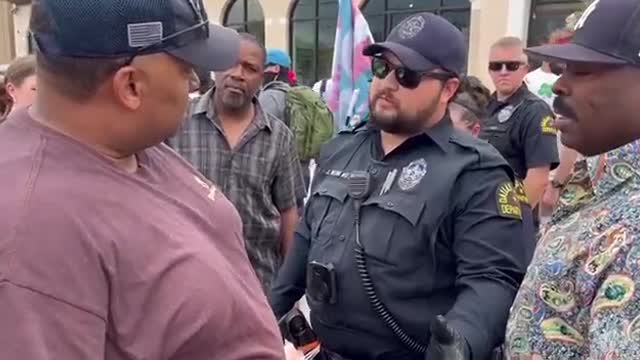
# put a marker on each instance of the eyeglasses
(407, 78)
(510, 65)
(202, 23)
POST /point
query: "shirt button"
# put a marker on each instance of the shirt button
(391, 204)
(374, 171)
(323, 191)
(342, 238)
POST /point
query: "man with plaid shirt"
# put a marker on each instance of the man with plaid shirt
(249, 155)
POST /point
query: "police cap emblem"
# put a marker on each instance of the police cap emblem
(412, 174)
(411, 27)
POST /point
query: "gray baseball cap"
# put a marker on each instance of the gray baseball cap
(423, 42)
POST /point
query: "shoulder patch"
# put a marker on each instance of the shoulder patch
(546, 125)
(507, 201)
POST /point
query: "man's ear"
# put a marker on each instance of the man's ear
(11, 90)
(475, 130)
(129, 85)
(449, 89)
(272, 69)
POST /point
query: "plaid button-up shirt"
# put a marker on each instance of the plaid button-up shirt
(261, 175)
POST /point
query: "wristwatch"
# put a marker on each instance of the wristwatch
(558, 184)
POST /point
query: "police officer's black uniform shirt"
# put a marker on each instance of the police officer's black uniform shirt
(443, 234)
(520, 128)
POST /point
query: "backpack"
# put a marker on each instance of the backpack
(310, 120)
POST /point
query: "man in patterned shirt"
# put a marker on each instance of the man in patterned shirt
(579, 298)
(249, 155)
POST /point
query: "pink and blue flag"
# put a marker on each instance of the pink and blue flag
(351, 72)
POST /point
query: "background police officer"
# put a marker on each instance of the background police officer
(520, 122)
(409, 218)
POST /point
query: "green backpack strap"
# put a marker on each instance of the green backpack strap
(310, 120)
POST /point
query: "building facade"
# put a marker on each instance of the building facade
(306, 28)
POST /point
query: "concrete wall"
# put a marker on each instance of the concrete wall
(7, 46)
(21, 16)
(488, 23)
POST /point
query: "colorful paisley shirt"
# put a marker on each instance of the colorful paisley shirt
(579, 298)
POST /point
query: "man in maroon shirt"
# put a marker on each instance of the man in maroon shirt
(111, 246)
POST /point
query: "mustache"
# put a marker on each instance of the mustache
(388, 96)
(561, 108)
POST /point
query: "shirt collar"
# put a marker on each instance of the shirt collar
(615, 167)
(204, 105)
(441, 132)
(515, 99)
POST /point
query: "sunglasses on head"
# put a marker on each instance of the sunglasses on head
(510, 65)
(407, 78)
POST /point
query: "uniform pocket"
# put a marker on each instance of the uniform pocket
(394, 218)
(499, 136)
(326, 204)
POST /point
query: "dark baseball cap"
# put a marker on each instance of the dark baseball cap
(125, 28)
(423, 42)
(607, 33)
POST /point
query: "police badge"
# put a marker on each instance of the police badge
(412, 174)
(505, 114)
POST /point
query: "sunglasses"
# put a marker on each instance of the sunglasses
(510, 65)
(407, 78)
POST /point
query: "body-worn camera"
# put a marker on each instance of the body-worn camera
(321, 282)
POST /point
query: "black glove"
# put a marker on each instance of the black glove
(446, 343)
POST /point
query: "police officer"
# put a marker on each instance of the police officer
(412, 224)
(519, 125)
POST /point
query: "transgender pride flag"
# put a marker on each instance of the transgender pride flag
(351, 72)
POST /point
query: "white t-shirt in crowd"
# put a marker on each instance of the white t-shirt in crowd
(317, 87)
(541, 83)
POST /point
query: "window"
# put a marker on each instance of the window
(383, 15)
(31, 43)
(548, 16)
(246, 16)
(313, 32)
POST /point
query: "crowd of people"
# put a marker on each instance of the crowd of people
(158, 200)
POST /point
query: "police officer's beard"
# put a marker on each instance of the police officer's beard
(402, 123)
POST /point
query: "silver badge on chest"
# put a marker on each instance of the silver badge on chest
(505, 114)
(412, 174)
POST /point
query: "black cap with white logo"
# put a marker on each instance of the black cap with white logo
(607, 33)
(423, 42)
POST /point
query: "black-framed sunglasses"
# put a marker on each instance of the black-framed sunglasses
(510, 65)
(202, 23)
(407, 78)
